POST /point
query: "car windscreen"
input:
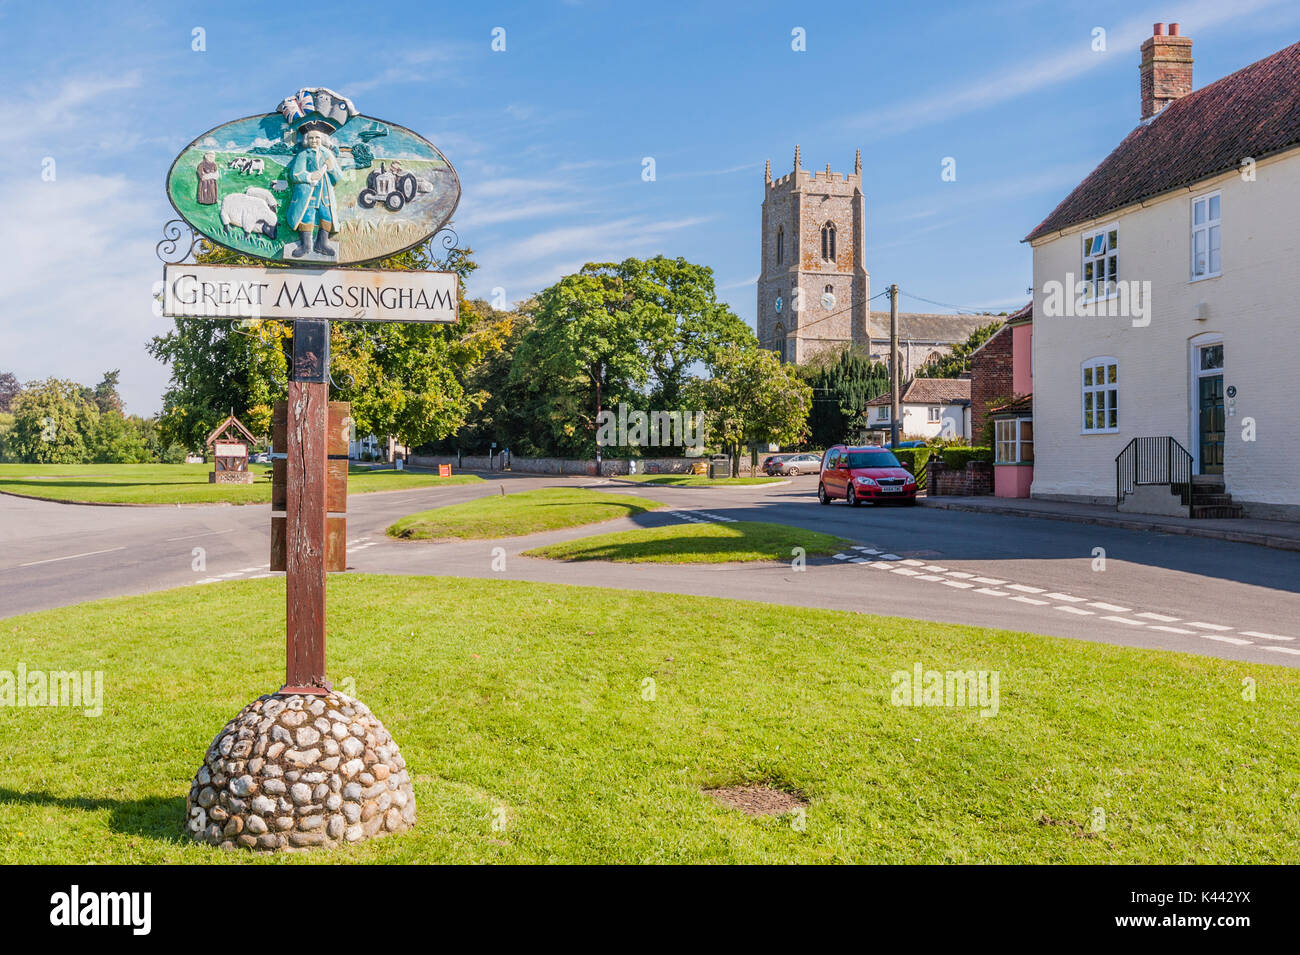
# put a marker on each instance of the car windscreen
(872, 459)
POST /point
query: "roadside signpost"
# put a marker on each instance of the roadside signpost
(308, 188)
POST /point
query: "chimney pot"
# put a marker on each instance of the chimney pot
(1158, 29)
(1173, 29)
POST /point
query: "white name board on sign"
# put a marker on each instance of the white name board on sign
(230, 449)
(345, 295)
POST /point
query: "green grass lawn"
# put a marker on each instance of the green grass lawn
(525, 512)
(696, 480)
(183, 483)
(531, 699)
(696, 544)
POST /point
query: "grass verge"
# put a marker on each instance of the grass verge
(182, 483)
(696, 544)
(530, 702)
(525, 512)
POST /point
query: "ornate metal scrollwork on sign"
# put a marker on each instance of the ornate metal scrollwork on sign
(179, 242)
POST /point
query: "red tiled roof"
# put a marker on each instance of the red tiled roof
(1019, 407)
(1254, 112)
(931, 391)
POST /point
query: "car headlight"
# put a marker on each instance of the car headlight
(865, 480)
(910, 480)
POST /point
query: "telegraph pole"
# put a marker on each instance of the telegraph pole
(893, 365)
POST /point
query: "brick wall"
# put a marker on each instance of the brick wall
(976, 478)
(991, 380)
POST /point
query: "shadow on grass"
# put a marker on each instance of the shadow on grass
(157, 817)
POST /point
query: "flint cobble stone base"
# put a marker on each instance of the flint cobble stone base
(296, 772)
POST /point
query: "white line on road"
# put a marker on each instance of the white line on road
(1030, 600)
(936, 569)
(958, 583)
(912, 562)
(1131, 623)
(1291, 650)
(89, 553)
(1233, 640)
(1111, 607)
(960, 574)
(1159, 616)
(907, 571)
(1263, 636)
(1079, 610)
(1025, 590)
(1066, 597)
(929, 577)
(1155, 626)
(991, 592)
(988, 580)
(228, 530)
(1207, 626)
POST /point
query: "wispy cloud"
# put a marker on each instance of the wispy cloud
(44, 115)
(1061, 64)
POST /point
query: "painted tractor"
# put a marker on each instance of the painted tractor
(393, 189)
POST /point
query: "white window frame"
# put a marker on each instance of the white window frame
(934, 414)
(1102, 390)
(1087, 255)
(1018, 440)
(1210, 228)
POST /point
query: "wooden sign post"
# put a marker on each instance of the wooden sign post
(310, 198)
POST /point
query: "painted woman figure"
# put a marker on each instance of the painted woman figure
(208, 174)
(312, 205)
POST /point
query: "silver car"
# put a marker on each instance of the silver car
(807, 463)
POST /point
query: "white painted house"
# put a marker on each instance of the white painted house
(927, 408)
(1187, 236)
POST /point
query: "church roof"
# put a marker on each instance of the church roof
(930, 327)
(1252, 112)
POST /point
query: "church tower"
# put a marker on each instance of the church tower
(813, 286)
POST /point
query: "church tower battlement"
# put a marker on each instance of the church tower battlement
(813, 286)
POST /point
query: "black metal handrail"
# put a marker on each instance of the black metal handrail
(1153, 460)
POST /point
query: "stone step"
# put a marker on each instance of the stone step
(1218, 511)
(1210, 500)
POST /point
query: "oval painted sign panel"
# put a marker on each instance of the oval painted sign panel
(315, 183)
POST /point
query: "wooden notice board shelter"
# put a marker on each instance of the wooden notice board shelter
(229, 443)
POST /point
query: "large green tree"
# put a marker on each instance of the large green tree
(752, 396)
(54, 423)
(630, 331)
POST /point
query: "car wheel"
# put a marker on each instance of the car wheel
(822, 497)
(793, 472)
(852, 497)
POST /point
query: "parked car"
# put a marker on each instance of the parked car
(772, 463)
(908, 444)
(807, 463)
(261, 457)
(859, 474)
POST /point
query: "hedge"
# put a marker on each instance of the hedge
(958, 458)
(914, 459)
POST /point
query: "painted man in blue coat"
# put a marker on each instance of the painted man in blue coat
(312, 204)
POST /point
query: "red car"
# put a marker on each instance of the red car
(864, 474)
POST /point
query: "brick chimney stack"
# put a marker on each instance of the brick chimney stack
(1166, 69)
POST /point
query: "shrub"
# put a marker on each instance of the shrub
(914, 459)
(958, 458)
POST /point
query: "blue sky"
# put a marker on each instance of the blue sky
(549, 136)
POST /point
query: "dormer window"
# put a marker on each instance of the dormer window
(828, 242)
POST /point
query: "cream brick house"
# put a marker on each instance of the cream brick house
(1188, 237)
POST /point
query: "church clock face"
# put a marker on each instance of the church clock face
(828, 300)
(778, 305)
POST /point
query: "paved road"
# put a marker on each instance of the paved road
(1164, 591)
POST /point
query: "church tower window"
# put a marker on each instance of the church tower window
(780, 244)
(828, 242)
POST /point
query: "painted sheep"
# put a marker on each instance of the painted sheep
(265, 195)
(256, 166)
(250, 213)
(280, 185)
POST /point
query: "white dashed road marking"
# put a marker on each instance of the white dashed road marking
(1263, 636)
